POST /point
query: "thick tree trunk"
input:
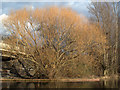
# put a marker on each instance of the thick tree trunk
(119, 36)
(106, 71)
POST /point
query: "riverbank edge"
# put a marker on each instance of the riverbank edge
(52, 80)
(63, 80)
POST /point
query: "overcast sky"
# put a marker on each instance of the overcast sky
(80, 7)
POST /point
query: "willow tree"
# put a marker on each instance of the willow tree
(59, 41)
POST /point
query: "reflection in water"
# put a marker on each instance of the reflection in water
(101, 84)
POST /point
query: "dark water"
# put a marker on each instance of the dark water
(100, 84)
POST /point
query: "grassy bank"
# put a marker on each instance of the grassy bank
(93, 79)
(109, 77)
(51, 80)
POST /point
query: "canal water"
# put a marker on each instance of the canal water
(100, 84)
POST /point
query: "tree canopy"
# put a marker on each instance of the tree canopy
(59, 41)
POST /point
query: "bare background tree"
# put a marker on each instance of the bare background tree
(106, 15)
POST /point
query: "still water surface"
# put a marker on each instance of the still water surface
(100, 84)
